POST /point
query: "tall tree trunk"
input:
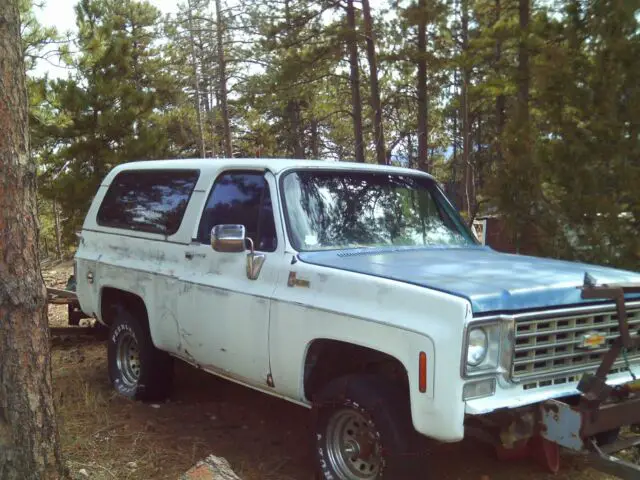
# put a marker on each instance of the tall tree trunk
(293, 105)
(29, 443)
(421, 87)
(376, 107)
(56, 221)
(209, 115)
(222, 68)
(295, 140)
(196, 83)
(315, 140)
(455, 133)
(354, 78)
(500, 99)
(454, 188)
(212, 97)
(520, 153)
(466, 128)
(523, 64)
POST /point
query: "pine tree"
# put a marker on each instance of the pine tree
(115, 102)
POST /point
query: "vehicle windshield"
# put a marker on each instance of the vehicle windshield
(347, 209)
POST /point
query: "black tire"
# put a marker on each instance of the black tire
(387, 413)
(152, 378)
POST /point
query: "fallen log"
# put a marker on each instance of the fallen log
(211, 468)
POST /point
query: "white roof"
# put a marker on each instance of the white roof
(275, 165)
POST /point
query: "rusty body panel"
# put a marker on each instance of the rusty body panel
(561, 424)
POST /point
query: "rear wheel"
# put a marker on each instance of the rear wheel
(363, 430)
(137, 369)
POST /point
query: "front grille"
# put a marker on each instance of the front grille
(548, 348)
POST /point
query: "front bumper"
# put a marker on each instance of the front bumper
(515, 397)
(589, 421)
(581, 428)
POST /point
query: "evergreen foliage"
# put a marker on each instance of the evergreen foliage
(528, 109)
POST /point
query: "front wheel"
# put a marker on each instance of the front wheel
(363, 430)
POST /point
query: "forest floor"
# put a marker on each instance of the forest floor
(105, 436)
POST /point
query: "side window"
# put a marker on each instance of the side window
(148, 200)
(241, 198)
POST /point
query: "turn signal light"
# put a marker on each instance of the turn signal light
(422, 372)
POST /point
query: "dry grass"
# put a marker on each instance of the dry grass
(262, 437)
(103, 433)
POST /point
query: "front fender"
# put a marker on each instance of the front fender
(399, 320)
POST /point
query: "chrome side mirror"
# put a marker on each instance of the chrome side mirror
(255, 261)
(228, 238)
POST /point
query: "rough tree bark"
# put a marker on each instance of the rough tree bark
(354, 78)
(222, 68)
(421, 87)
(376, 105)
(29, 443)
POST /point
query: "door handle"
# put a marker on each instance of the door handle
(191, 255)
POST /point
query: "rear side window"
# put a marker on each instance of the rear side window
(151, 201)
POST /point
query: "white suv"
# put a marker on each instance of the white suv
(357, 291)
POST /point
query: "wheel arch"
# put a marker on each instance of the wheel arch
(326, 359)
(111, 296)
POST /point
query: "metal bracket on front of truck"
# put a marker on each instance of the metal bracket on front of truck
(602, 410)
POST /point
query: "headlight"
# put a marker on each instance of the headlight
(486, 344)
(477, 346)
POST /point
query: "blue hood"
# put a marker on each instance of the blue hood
(491, 281)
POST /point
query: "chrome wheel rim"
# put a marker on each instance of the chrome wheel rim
(353, 446)
(128, 359)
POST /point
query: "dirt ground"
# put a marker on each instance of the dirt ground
(105, 436)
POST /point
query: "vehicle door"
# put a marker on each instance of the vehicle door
(223, 314)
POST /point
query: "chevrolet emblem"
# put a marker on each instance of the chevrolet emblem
(592, 340)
